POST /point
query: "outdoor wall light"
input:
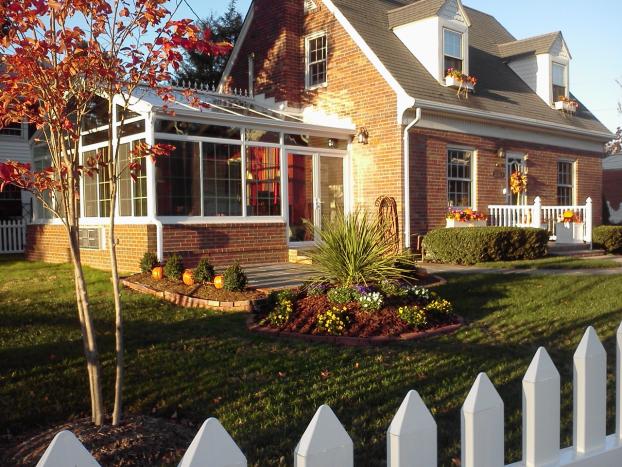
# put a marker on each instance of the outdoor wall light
(501, 153)
(331, 143)
(363, 135)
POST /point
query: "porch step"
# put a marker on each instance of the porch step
(576, 251)
(299, 256)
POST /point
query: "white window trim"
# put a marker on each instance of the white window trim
(566, 66)
(573, 185)
(472, 180)
(309, 38)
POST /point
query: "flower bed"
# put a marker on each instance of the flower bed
(357, 315)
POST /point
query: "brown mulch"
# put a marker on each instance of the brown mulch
(138, 442)
(385, 322)
(204, 291)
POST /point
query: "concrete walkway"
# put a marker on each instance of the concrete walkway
(435, 268)
(278, 275)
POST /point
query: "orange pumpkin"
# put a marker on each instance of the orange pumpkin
(188, 277)
(157, 273)
(219, 281)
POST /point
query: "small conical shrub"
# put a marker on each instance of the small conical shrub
(235, 279)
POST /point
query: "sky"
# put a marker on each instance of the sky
(591, 29)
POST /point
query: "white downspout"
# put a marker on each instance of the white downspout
(407, 177)
(151, 190)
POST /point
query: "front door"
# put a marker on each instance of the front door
(315, 193)
(515, 163)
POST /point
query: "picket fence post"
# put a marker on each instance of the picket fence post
(589, 219)
(541, 412)
(537, 213)
(590, 394)
(213, 447)
(482, 426)
(412, 437)
(325, 442)
(66, 450)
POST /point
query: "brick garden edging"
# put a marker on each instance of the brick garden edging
(254, 326)
(194, 302)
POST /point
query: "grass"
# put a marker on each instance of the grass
(555, 262)
(200, 364)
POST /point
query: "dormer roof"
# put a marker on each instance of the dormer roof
(419, 10)
(542, 44)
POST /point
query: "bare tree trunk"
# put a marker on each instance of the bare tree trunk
(119, 345)
(88, 331)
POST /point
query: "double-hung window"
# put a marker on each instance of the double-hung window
(560, 84)
(316, 50)
(459, 178)
(453, 51)
(565, 183)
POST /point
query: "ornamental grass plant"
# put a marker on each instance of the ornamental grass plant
(356, 250)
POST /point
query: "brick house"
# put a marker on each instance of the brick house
(342, 102)
(612, 189)
(382, 65)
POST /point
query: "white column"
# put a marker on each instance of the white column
(482, 426)
(589, 219)
(541, 412)
(590, 394)
(537, 212)
(412, 438)
(324, 443)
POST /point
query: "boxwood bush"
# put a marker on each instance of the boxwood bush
(608, 237)
(482, 244)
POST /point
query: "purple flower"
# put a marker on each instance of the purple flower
(363, 289)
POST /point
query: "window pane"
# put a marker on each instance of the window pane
(263, 136)
(125, 182)
(103, 180)
(454, 63)
(565, 183)
(558, 92)
(222, 179)
(89, 195)
(317, 54)
(453, 43)
(178, 180)
(263, 181)
(132, 193)
(559, 75)
(12, 129)
(133, 128)
(459, 178)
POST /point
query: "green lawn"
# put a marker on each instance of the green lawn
(555, 262)
(265, 391)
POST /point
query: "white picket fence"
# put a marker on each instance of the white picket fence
(12, 236)
(539, 216)
(412, 435)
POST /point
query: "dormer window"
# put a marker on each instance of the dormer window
(453, 50)
(560, 83)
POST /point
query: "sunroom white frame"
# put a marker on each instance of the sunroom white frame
(151, 108)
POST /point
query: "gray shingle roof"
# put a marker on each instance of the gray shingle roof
(538, 45)
(414, 12)
(499, 89)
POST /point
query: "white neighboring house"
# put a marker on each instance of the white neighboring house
(612, 188)
(15, 145)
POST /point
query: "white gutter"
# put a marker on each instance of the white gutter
(407, 176)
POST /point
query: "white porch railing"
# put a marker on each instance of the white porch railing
(12, 236)
(412, 435)
(544, 217)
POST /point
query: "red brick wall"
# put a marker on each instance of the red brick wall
(355, 89)
(224, 244)
(49, 243)
(429, 174)
(612, 189)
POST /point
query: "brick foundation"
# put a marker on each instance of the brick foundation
(49, 243)
(223, 244)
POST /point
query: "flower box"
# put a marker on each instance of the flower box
(566, 106)
(569, 232)
(453, 82)
(452, 223)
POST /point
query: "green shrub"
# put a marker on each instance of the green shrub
(355, 249)
(148, 262)
(608, 237)
(235, 279)
(204, 272)
(342, 295)
(174, 267)
(413, 315)
(482, 244)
